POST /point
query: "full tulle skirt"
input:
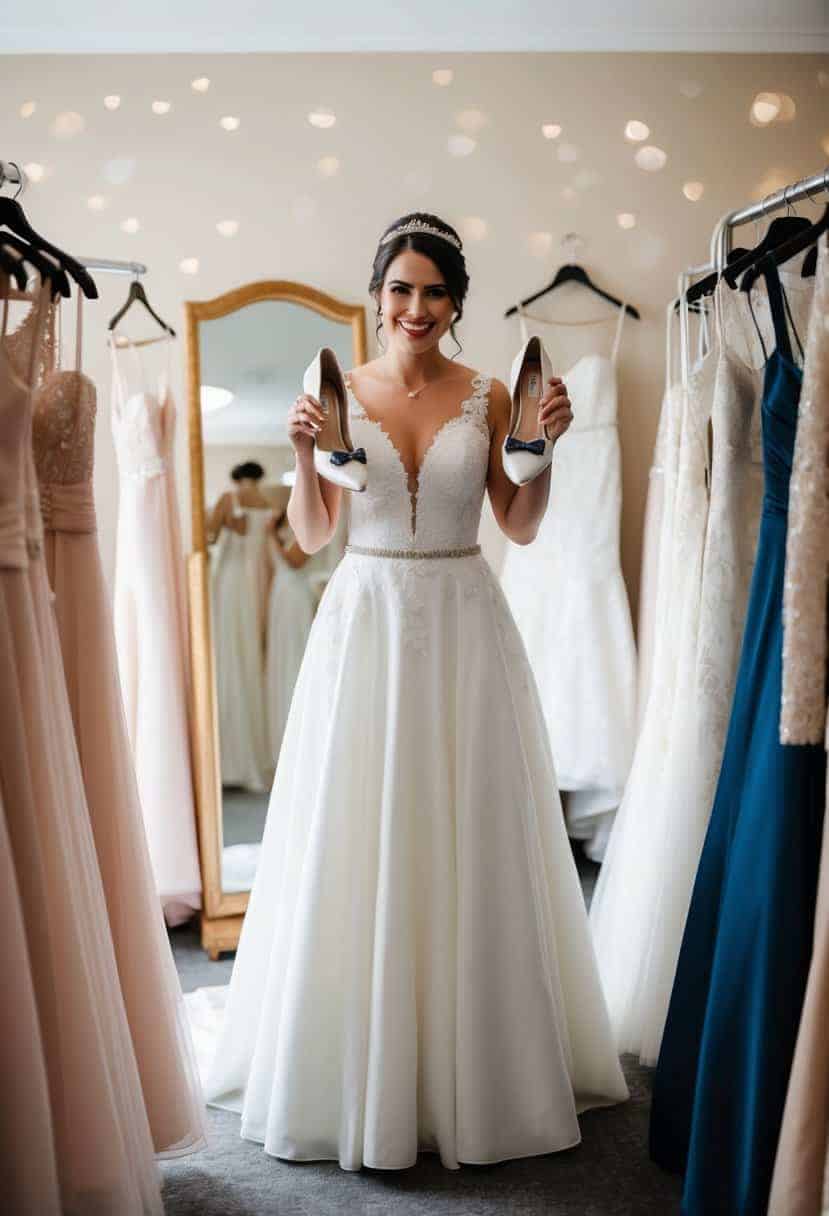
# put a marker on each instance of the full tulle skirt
(415, 970)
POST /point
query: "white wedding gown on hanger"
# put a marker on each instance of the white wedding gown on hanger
(415, 968)
(568, 597)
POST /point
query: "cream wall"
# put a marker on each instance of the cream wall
(184, 174)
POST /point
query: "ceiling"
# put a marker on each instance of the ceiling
(430, 25)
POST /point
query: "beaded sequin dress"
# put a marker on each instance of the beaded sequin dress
(63, 443)
(415, 968)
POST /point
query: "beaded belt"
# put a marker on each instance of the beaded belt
(468, 552)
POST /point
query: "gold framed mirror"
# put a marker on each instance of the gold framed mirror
(246, 353)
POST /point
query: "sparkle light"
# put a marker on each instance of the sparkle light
(473, 228)
(550, 130)
(637, 131)
(68, 124)
(324, 119)
(27, 109)
(162, 107)
(461, 145)
(227, 227)
(130, 225)
(626, 219)
(693, 191)
(328, 166)
(189, 265)
(200, 85)
(112, 101)
(34, 171)
(97, 202)
(229, 122)
(442, 77)
(650, 158)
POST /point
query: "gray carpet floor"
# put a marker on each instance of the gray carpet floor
(608, 1174)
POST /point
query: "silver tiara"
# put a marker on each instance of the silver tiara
(419, 226)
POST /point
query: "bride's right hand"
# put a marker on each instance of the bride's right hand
(305, 419)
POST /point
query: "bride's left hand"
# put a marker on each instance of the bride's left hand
(554, 409)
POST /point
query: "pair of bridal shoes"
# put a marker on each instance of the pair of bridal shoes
(527, 449)
(335, 456)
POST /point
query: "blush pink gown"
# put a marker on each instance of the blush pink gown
(101, 1136)
(63, 441)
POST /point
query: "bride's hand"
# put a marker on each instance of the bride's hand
(555, 410)
(305, 419)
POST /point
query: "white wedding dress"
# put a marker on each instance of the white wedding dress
(415, 968)
(290, 613)
(239, 594)
(579, 633)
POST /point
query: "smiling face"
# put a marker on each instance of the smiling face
(416, 306)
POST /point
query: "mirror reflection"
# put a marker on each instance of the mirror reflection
(263, 590)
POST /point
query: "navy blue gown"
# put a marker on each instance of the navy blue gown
(720, 1084)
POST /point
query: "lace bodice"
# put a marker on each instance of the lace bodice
(63, 420)
(442, 508)
(143, 422)
(803, 712)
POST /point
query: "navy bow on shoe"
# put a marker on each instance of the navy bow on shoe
(340, 457)
(536, 446)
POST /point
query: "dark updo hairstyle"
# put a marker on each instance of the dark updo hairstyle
(248, 469)
(447, 257)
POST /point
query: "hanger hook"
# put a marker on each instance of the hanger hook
(22, 179)
(808, 193)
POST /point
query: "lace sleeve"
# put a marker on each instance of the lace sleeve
(803, 707)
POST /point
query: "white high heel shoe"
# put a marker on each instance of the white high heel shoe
(335, 456)
(527, 449)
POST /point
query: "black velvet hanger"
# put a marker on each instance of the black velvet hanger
(136, 292)
(13, 217)
(790, 249)
(572, 273)
(46, 266)
(14, 268)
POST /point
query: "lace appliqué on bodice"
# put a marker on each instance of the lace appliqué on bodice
(440, 508)
(803, 707)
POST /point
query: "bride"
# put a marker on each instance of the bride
(415, 970)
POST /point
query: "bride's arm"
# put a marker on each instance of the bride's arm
(314, 505)
(519, 510)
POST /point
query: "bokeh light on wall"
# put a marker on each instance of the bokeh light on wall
(97, 202)
(227, 227)
(550, 130)
(189, 265)
(626, 219)
(322, 119)
(442, 77)
(461, 145)
(473, 228)
(229, 122)
(328, 166)
(693, 191)
(650, 158)
(540, 244)
(27, 109)
(200, 85)
(636, 131)
(161, 107)
(471, 121)
(130, 225)
(34, 171)
(112, 101)
(68, 124)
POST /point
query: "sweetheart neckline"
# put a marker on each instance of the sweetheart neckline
(477, 384)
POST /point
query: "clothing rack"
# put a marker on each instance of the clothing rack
(721, 236)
